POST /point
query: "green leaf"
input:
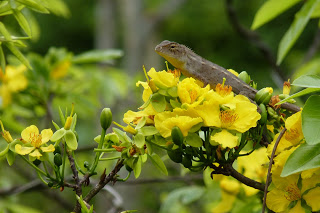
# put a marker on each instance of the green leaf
(2, 60)
(309, 68)
(62, 118)
(316, 12)
(55, 125)
(194, 140)
(58, 135)
(141, 123)
(137, 167)
(95, 56)
(156, 160)
(33, 6)
(5, 32)
(305, 157)
(158, 102)
(22, 22)
(74, 122)
(139, 140)
(311, 120)
(183, 195)
(5, 9)
(5, 151)
(298, 94)
(173, 91)
(71, 140)
(271, 9)
(18, 54)
(122, 135)
(57, 7)
(301, 19)
(312, 81)
(149, 130)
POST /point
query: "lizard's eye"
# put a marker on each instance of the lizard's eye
(172, 46)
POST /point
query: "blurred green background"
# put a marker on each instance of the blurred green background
(136, 27)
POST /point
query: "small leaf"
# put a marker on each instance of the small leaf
(175, 103)
(18, 54)
(309, 68)
(122, 135)
(95, 56)
(74, 122)
(4, 32)
(71, 140)
(139, 140)
(55, 125)
(173, 91)
(311, 120)
(62, 118)
(5, 9)
(158, 102)
(312, 81)
(271, 9)
(2, 60)
(301, 19)
(33, 6)
(22, 22)
(194, 140)
(305, 157)
(137, 167)
(148, 130)
(58, 135)
(5, 151)
(298, 94)
(156, 160)
(141, 123)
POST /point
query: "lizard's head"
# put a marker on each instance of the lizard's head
(173, 52)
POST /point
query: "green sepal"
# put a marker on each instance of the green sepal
(194, 140)
(62, 117)
(139, 140)
(158, 102)
(74, 122)
(10, 157)
(58, 135)
(177, 136)
(5, 151)
(71, 140)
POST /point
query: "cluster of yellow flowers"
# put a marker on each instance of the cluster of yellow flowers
(190, 105)
(289, 192)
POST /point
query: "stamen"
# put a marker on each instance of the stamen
(292, 193)
(228, 118)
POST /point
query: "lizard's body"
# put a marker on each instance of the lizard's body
(193, 65)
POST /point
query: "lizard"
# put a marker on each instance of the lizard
(193, 65)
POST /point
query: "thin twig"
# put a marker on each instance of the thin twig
(269, 169)
(186, 179)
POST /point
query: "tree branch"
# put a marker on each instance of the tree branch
(228, 170)
(253, 38)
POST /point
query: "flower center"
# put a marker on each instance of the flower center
(228, 118)
(223, 90)
(36, 140)
(292, 193)
(193, 95)
(292, 134)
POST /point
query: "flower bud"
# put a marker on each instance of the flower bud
(175, 155)
(57, 149)
(177, 136)
(245, 77)
(264, 114)
(105, 118)
(264, 95)
(86, 165)
(57, 159)
(186, 161)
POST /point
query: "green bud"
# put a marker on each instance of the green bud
(36, 162)
(57, 149)
(57, 159)
(50, 184)
(264, 95)
(105, 118)
(186, 161)
(272, 113)
(177, 136)
(86, 164)
(245, 77)
(175, 155)
(264, 114)
(128, 168)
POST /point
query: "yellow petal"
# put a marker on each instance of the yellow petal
(49, 148)
(29, 132)
(22, 150)
(225, 139)
(36, 154)
(276, 200)
(312, 199)
(46, 135)
(163, 79)
(226, 203)
(297, 208)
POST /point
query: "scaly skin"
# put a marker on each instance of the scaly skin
(193, 65)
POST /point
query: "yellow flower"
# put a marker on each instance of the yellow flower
(147, 90)
(293, 135)
(286, 87)
(13, 80)
(61, 69)
(135, 117)
(163, 79)
(34, 142)
(233, 72)
(191, 93)
(183, 119)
